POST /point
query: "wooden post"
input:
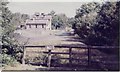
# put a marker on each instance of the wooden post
(0, 56)
(70, 56)
(89, 57)
(24, 53)
(49, 47)
(49, 58)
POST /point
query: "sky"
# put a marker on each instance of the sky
(30, 8)
(52, 0)
(59, 6)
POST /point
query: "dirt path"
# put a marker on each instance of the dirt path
(47, 37)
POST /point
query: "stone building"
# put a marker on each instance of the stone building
(40, 21)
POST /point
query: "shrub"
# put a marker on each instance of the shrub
(40, 59)
(8, 60)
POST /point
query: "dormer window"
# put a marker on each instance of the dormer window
(42, 14)
(37, 15)
(31, 19)
(48, 19)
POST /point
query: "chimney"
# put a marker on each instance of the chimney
(42, 14)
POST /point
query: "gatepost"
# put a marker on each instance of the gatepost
(49, 48)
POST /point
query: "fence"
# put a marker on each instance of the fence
(50, 48)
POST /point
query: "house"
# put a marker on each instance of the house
(40, 21)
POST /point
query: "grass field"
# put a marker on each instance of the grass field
(60, 37)
(48, 37)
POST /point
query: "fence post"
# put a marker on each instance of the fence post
(89, 57)
(70, 56)
(24, 53)
(0, 56)
(50, 47)
(49, 58)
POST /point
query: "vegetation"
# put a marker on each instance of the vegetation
(71, 22)
(9, 23)
(8, 60)
(37, 60)
(19, 19)
(98, 23)
(59, 21)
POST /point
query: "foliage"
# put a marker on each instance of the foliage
(52, 13)
(71, 22)
(40, 59)
(59, 21)
(9, 22)
(7, 38)
(98, 23)
(55, 60)
(19, 19)
(85, 18)
(8, 60)
(107, 25)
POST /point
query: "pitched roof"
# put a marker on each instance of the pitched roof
(41, 17)
(37, 21)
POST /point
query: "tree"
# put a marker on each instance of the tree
(7, 28)
(97, 24)
(107, 25)
(70, 22)
(10, 45)
(59, 21)
(19, 19)
(52, 13)
(85, 19)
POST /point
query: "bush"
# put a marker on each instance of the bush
(56, 61)
(14, 51)
(37, 60)
(8, 60)
(42, 59)
(98, 24)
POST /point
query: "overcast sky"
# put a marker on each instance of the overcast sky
(59, 6)
(68, 8)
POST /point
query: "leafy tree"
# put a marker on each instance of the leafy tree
(71, 22)
(98, 23)
(52, 13)
(107, 25)
(19, 19)
(10, 21)
(99, 26)
(7, 28)
(59, 21)
(85, 19)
